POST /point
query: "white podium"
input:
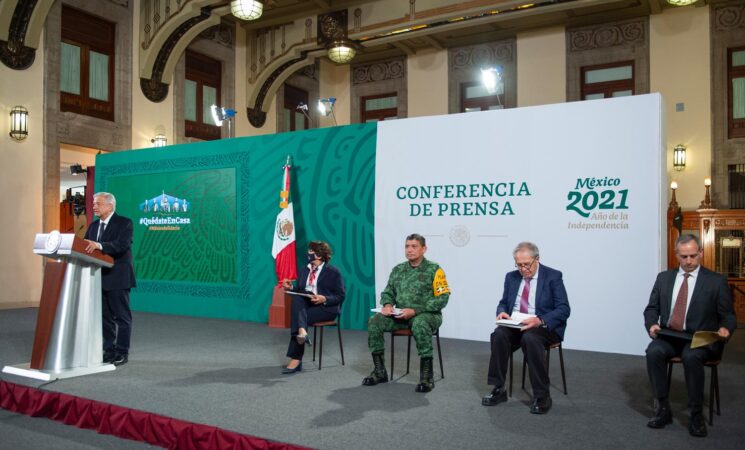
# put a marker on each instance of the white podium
(68, 341)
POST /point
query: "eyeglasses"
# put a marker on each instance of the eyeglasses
(525, 265)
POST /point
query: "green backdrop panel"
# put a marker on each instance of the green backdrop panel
(220, 264)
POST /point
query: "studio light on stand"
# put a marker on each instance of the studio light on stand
(220, 115)
(303, 107)
(326, 107)
(491, 78)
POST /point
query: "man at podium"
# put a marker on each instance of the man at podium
(112, 234)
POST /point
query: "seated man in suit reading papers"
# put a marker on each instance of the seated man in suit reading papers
(684, 300)
(537, 291)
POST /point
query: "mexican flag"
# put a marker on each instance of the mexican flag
(283, 248)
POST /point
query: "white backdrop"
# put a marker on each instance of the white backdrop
(544, 168)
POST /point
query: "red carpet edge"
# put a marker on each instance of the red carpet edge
(126, 423)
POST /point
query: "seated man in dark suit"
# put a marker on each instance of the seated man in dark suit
(324, 283)
(531, 289)
(689, 298)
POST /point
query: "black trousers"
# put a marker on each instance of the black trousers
(660, 351)
(534, 341)
(303, 313)
(117, 321)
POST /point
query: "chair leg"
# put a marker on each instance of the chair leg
(525, 369)
(393, 352)
(320, 350)
(669, 376)
(511, 365)
(711, 398)
(341, 347)
(315, 333)
(439, 354)
(408, 356)
(563, 374)
(715, 377)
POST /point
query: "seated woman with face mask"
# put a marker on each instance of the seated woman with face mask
(322, 290)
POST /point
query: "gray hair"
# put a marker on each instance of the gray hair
(526, 246)
(107, 197)
(686, 238)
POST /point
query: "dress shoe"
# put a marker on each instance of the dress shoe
(303, 339)
(661, 418)
(697, 427)
(540, 405)
(120, 359)
(497, 396)
(108, 357)
(288, 371)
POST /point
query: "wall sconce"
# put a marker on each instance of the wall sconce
(679, 157)
(326, 107)
(246, 9)
(681, 2)
(19, 123)
(159, 140)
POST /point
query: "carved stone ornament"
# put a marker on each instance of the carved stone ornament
(155, 91)
(12, 52)
(257, 115)
(727, 18)
(386, 70)
(221, 34)
(483, 55)
(153, 88)
(332, 27)
(608, 35)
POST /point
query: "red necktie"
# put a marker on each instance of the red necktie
(679, 310)
(312, 277)
(524, 303)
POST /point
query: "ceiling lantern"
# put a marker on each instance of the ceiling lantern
(246, 9)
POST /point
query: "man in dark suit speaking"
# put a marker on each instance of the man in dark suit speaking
(539, 291)
(687, 299)
(112, 234)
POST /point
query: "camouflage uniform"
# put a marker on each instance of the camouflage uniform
(423, 289)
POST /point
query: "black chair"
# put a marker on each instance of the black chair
(548, 359)
(713, 364)
(407, 332)
(322, 325)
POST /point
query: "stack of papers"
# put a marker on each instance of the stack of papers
(396, 311)
(515, 320)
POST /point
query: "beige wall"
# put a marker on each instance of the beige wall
(427, 83)
(680, 71)
(21, 165)
(148, 118)
(541, 67)
(335, 82)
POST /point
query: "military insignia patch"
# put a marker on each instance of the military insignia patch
(440, 284)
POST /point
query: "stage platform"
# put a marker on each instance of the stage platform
(227, 374)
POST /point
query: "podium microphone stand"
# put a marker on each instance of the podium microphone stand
(68, 341)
